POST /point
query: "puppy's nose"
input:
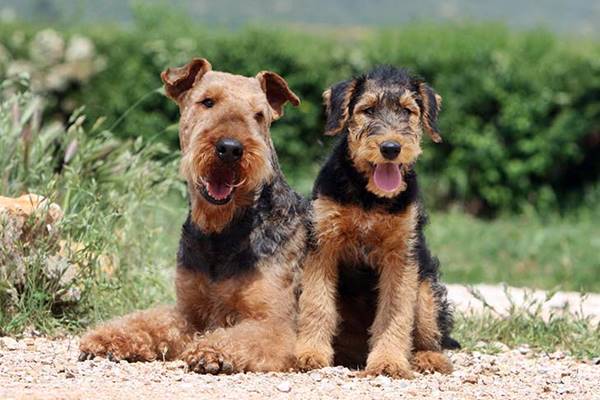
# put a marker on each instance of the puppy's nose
(389, 149)
(229, 150)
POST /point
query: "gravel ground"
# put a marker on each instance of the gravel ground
(40, 368)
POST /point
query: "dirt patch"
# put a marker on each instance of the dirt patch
(39, 368)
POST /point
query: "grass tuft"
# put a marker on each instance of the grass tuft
(526, 324)
(110, 240)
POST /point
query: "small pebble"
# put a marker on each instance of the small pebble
(403, 384)
(561, 389)
(501, 346)
(284, 387)
(9, 343)
(382, 380)
(557, 355)
(316, 376)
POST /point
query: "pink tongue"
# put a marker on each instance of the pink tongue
(219, 191)
(387, 177)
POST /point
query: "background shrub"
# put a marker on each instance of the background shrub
(521, 117)
(109, 191)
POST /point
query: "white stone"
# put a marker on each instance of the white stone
(9, 343)
(382, 380)
(284, 387)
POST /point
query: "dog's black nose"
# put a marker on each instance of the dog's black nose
(229, 150)
(389, 149)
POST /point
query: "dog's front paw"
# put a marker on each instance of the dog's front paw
(307, 360)
(205, 359)
(431, 361)
(115, 345)
(399, 369)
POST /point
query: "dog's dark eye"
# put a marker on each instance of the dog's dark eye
(208, 102)
(369, 111)
(259, 116)
(406, 110)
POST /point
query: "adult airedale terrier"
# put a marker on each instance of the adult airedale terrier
(370, 255)
(242, 244)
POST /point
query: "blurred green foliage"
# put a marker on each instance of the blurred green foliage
(521, 114)
(108, 252)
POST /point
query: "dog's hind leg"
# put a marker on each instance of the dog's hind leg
(156, 334)
(427, 337)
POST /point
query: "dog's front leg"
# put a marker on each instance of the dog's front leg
(391, 332)
(251, 345)
(159, 333)
(318, 315)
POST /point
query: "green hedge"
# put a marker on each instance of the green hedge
(521, 116)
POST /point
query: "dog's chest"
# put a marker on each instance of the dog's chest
(211, 304)
(357, 232)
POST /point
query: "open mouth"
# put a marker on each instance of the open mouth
(219, 186)
(387, 177)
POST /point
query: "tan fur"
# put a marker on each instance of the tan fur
(432, 361)
(365, 235)
(427, 334)
(246, 322)
(405, 318)
(364, 149)
(156, 334)
(237, 101)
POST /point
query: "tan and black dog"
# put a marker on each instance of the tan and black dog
(371, 290)
(242, 244)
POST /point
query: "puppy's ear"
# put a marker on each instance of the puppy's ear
(431, 103)
(179, 80)
(337, 106)
(278, 92)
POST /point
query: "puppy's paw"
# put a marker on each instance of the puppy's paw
(431, 361)
(205, 359)
(399, 369)
(308, 359)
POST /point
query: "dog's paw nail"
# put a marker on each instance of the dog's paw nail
(84, 356)
(212, 368)
(111, 357)
(227, 368)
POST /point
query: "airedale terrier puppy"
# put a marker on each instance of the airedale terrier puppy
(242, 244)
(371, 290)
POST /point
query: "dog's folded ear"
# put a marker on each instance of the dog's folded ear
(278, 92)
(179, 80)
(337, 106)
(431, 103)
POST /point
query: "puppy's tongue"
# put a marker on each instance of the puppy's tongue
(387, 177)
